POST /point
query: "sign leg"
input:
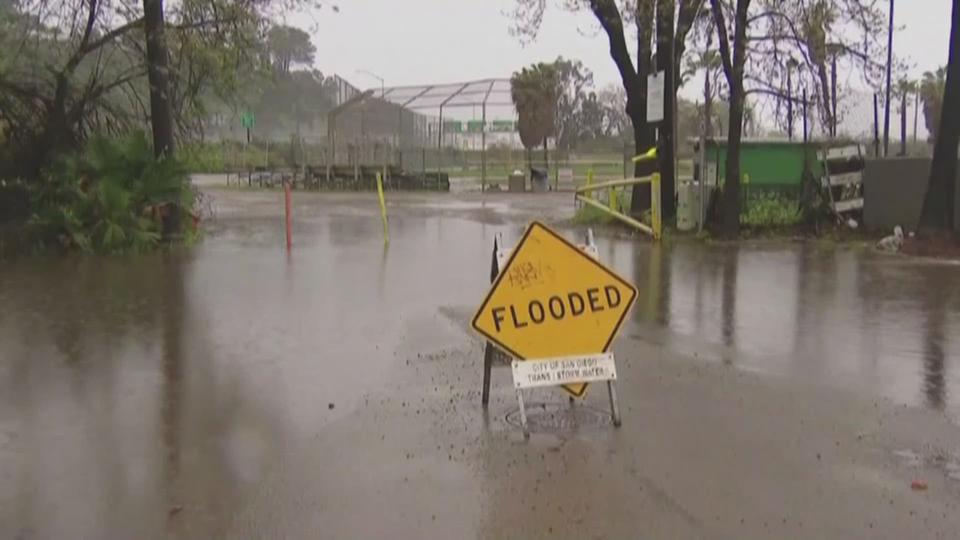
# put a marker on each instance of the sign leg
(614, 404)
(523, 415)
(487, 368)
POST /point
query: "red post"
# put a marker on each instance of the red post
(286, 203)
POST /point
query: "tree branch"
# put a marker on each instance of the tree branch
(110, 36)
(78, 55)
(688, 13)
(723, 39)
(609, 17)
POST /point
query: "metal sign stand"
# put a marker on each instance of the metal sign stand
(601, 367)
(541, 372)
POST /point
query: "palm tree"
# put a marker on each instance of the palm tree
(535, 92)
(905, 89)
(931, 93)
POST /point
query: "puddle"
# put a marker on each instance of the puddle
(560, 417)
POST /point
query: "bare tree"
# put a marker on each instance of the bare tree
(797, 44)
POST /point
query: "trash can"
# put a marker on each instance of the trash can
(517, 181)
(538, 179)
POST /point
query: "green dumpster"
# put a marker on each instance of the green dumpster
(770, 165)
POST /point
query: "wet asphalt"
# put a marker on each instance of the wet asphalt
(234, 390)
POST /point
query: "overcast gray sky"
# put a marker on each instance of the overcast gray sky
(420, 41)
(409, 42)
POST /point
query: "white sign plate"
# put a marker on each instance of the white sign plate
(655, 97)
(564, 370)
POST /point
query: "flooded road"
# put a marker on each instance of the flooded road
(233, 390)
(847, 316)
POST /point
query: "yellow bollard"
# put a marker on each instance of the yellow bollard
(655, 220)
(589, 177)
(612, 199)
(383, 209)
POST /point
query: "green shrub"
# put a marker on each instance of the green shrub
(109, 198)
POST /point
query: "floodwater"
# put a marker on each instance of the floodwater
(235, 390)
(838, 315)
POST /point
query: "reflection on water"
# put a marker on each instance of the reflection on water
(837, 315)
(147, 396)
(138, 394)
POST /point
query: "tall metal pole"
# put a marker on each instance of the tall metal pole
(805, 133)
(440, 143)
(876, 128)
(399, 135)
(903, 123)
(703, 165)
(483, 148)
(789, 103)
(886, 106)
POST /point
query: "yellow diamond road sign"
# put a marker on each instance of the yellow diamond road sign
(551, 299)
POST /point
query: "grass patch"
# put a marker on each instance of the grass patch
(589, 215)
(770, 210)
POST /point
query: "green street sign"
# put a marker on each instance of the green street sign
(474, 126)
(246, 120)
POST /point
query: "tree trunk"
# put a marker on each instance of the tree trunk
(161, 115)
(938, 205)
(529, 171)
(643, 134)
(733, 69)
(665, 44)
(903, 124)
(634, 79)
(731, 186)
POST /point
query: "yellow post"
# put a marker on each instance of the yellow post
(589, 177)
(655, 218)
(383, 209)
(612, 199)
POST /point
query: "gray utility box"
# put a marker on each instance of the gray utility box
(517, 181)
